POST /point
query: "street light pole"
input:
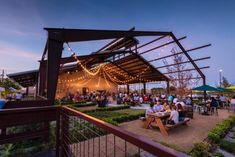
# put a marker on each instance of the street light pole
(220, 77)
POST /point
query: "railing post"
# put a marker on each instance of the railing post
(58, 142)
(64, 133)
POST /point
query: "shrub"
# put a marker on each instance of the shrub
(108, 109)
(201, 150)
(228, 146)
(221, 129)
(214, 137)
(218, 154)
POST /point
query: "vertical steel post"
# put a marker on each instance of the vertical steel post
(144, 85)
(128, 88)
(53, 66)
(168, 87)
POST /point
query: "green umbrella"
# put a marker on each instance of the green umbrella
(206, 88)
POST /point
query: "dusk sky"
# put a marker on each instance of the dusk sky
(22, 38)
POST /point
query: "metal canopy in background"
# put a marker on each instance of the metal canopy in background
(26, 78)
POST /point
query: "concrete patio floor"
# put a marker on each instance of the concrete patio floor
(183, 136)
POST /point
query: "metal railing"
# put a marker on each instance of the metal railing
(78, 134)
(84, 135)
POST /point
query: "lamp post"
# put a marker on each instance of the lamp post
(220, 77)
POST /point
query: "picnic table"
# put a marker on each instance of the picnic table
(157, 118)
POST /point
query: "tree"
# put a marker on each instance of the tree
(225, 83)
(180, 78)
(8, 84)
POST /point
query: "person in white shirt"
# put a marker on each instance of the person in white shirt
(175, 100)
(141, 99)
(174, 117)
(232, 102)
(150, 110)
(18, 96)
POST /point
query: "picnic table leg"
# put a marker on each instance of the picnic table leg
(161, 127)
(147, 122)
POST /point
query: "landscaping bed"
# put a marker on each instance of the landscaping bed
(217, 139)
(114, 115)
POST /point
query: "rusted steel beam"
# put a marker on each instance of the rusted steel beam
(187, 55)
(113, 41)
(160, 46)
(76, 35)
(194, 78)
(199, 59)
(192, 62)
(151, 42)
(179, 53)
(186, 70)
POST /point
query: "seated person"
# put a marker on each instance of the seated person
(158, 107)
(182, 112)
(174, 117)
(166, 107)
(179, 106)
(149, 110)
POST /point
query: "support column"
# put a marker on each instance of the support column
(168, 87)
(204, 83)
(42, 78)
(27, 91)
(128, 88)
(144, 85)
(53, 67)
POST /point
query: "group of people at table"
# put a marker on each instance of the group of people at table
(174, 108)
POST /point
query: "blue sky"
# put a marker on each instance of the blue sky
(22, 37)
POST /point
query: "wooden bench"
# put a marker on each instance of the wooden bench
(169, 126)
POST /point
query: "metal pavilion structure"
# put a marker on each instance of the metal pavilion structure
(123, 54)
(126, 56)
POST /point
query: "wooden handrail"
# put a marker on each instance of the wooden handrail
(138, 140)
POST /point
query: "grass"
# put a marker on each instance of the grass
(130, 111)
(114, 115)
(106, 114)
(175, 147)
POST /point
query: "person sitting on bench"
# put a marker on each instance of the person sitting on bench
(174, 117)
(158, 107)
(150, 110)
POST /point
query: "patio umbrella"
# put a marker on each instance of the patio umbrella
(206, 88)
(231, 88)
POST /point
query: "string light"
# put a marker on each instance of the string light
(73, 54)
